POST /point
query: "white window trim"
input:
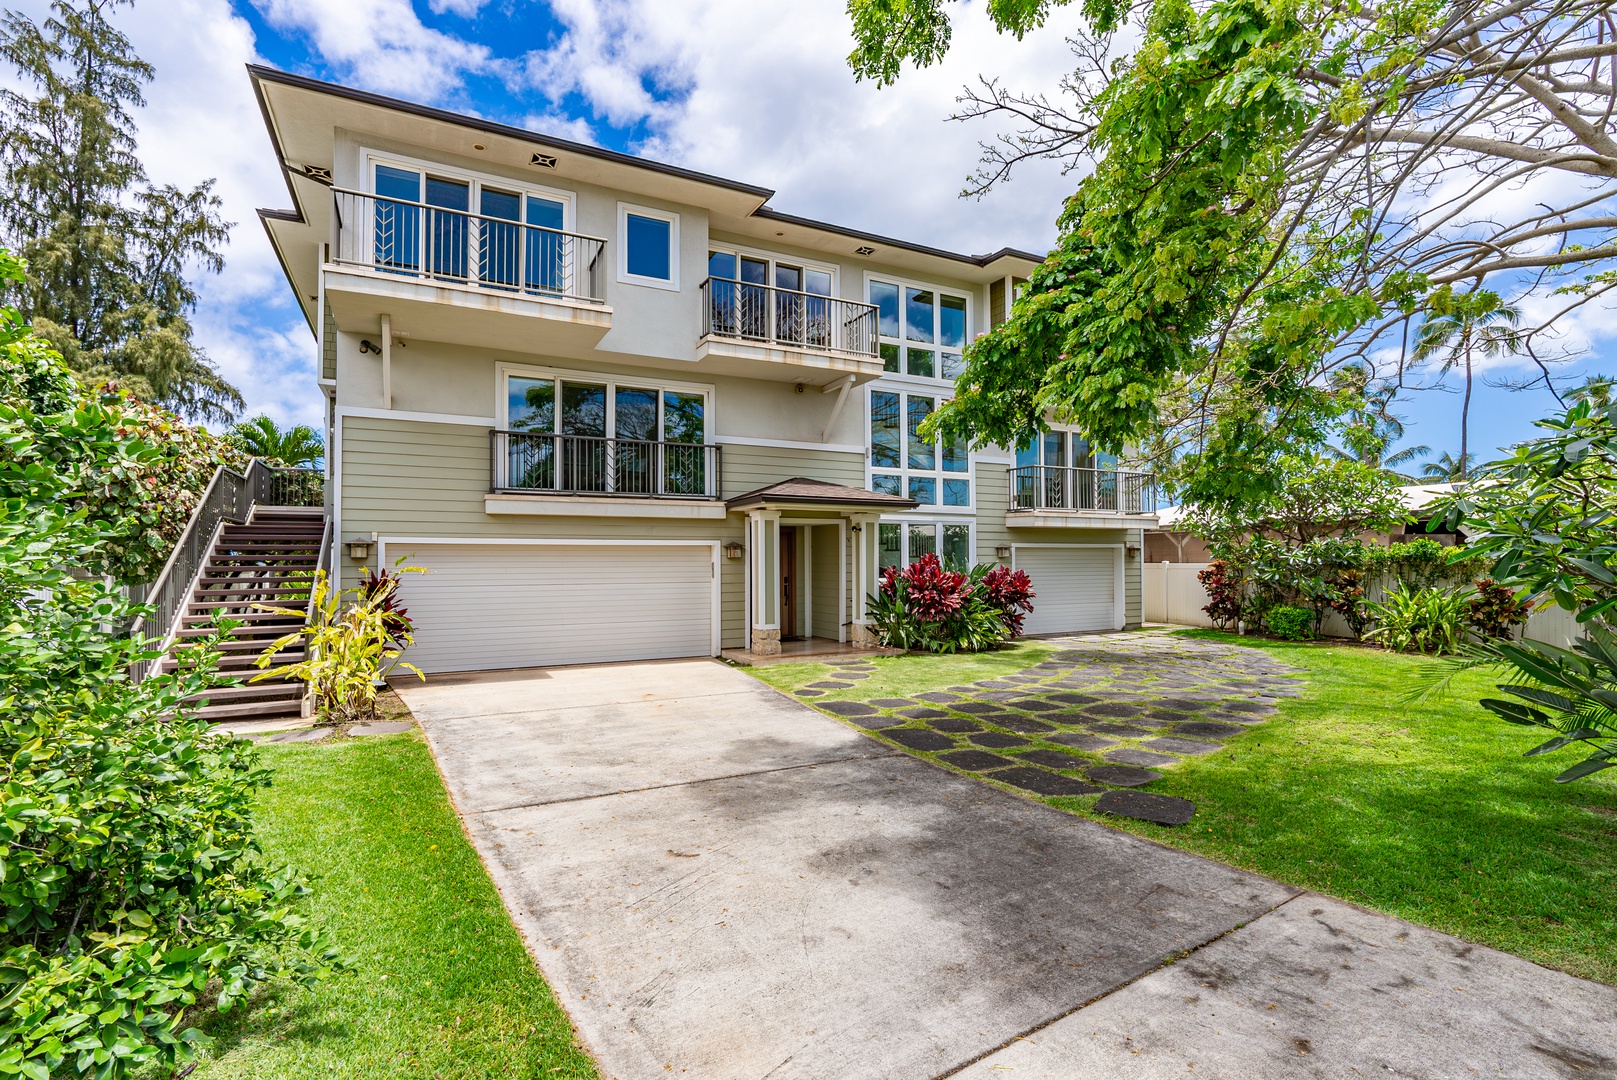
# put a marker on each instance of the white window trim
(905, 523)
(921, 389)
(374, 158)
(773, 258)
(502, 406)
(972, 299)
(624, 210)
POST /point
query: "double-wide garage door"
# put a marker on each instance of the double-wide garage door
(483, 606)
(1074, 589)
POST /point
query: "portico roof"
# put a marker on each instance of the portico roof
(801, 491)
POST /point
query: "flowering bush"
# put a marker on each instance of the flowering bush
(927, 606)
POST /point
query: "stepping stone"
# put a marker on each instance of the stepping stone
(1207, 730)
(996, 684)
(855, 675)
(306, 735)
(923, 714)
(962, 689)
(1168, 715)
(847, 708)
(1140, 757)
(1154, 725)
(878, 721)
(997, 739)
(1122, 775)
(1001, 695)
(829, 685)
(1014, 679)
(916, 739)
(808, 693)
(1081, 742)
(892, 702)
(937, 697)
(1016, 722)
(1034, 705)
(1144, 806)
(1073, 699)
(1171, 745)
(391, 727)
(1119, 729)
(974, 760)
(977, 706)
(1185, 704)
(1249, 707)
(1053, 759)
(957, 724)
(1113, 709)
(1041, 782)
(1234, 717)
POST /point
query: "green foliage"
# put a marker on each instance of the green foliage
(1423, 563)
(1571, 692)
(889, 32)
(298, 446)
(929, 607)
(348, 645)
(1422, 620)
(1225, 584)
(129, 878)
(1291, 623)
(1496, 611)
(108, 251)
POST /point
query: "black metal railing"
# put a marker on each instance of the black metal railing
(228, 499)
(415, 239)
(1111, 491)
(530, 462)
(738, 309)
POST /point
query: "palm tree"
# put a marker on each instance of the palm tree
(299, 446)
(1372, 430)
(1461, 327)
(1447, 470)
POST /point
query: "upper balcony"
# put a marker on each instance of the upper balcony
(449, 275)
(812, 338)
(1045, 496)
(533, 472)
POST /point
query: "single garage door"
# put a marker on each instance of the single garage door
(1074, 589)
(483, 606)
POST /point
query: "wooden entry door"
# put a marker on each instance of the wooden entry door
(788, 583)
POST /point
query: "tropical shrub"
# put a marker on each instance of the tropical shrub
(1009, 591)
(1496, 611)
(353, 639)
(1421, 620)
(1571, 692)
(927, 606)
(1291, 622)
(1224, 593)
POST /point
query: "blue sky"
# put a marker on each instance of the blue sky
(755, 91)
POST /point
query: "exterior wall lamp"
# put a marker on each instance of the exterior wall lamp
(1133, 550)
(359, 549)
(1002, 551)
(732, 550)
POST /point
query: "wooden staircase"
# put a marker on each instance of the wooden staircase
(268, 562)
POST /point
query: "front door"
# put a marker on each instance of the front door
(788, 583)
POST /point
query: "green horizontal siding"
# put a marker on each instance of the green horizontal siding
(747, 468)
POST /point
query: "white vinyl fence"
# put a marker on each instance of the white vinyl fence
(1173, 595)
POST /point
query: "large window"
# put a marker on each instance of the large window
(1073, 475)
(902, 544)
(584, 434)
(648, 243)
(903, 463)
(923, 330)
(742, 304)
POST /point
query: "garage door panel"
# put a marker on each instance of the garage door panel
(483, 606)
(1075, 589)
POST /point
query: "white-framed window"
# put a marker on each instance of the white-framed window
(901, 543)
(648, 246)
(1063, 448)
(932, 472)
(922, 329)
(463, 226)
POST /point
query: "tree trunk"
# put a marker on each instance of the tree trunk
(1465, 417)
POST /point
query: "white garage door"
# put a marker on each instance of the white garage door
(484, 606)
(1074, 589)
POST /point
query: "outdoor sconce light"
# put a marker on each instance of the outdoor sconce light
(1133, 550)
(1002, 551)
(359, 550)
(732, 550)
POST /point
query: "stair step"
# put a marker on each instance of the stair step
(231, 695)
(243, 593)
(255, 709)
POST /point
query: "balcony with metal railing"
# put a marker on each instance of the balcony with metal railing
(813, 338)
(450, 275)
(527, 463)
(1045, 495)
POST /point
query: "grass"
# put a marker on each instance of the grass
(1425, 810)
(441, 985)
(909, 673)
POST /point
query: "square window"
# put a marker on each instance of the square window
(649, 247)
(890, 542)
(957, 546)
(957, 493)
(924, 490)
(531, 404)
(921, 362)
(889, 357)
(953, 365)
(922, 453)
(886, 484)
(923, 541)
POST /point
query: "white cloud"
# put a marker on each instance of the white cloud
(466, 9)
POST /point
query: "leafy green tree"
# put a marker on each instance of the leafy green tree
(1459, 328)
(299, 446)
(108, 251)
(1448, 469)
(1275, 191)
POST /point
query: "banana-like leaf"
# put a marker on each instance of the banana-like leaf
(1591, 764)
(1553, 745)
(1516, 712)
(1546, 698)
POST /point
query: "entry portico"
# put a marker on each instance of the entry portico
(800, 530)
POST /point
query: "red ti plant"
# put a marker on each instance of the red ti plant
(933, 593)
(395, 616)
(1011, 592)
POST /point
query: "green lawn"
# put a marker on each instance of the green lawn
(442, 987)
(1424, 810)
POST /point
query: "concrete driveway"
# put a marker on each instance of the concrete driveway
(720, 882)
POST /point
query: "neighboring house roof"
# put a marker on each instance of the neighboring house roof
(800, 489)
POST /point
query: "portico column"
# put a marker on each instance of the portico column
(866, 561)
(763, 547)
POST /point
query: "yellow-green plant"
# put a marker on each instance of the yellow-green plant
(349, 645)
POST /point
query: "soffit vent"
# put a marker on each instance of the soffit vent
(543, 161)
(867, 250)
(318, 173)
